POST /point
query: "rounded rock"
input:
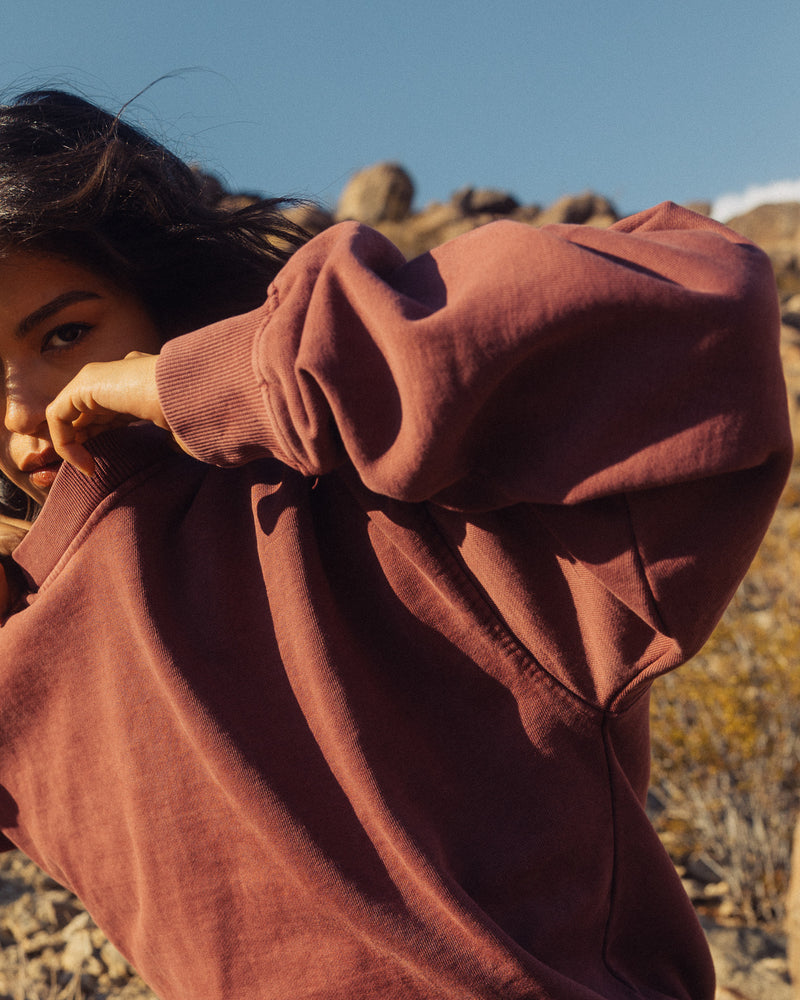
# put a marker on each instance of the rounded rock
(380, 193)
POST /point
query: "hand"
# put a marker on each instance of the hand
(102, 395)
(12, 531)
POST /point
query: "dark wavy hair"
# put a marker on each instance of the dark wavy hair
(78, 182)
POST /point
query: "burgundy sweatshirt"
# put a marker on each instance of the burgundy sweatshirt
(354, 703)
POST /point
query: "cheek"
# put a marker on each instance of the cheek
(5, 464)
(7, 467)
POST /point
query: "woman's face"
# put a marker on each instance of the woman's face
(55, 317)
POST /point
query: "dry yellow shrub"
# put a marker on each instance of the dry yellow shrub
(726, 732)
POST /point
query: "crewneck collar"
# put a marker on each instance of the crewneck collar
(120, 455)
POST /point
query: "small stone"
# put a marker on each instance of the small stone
(116, 963)
(704, 869)
(77, 924)
(40, 941)
(692, 888)
(77, 952)
(20, 919)
(716, 890)
(727, 909)
(46, 911)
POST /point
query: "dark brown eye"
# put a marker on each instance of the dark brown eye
(65, 335)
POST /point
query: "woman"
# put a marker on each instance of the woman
(79, 185)
(350, 697)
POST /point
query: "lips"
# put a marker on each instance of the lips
(41, 469)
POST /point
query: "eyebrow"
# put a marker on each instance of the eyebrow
(50, 309)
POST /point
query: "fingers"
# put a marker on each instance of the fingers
(71, 422)
(77, 456)
(12, 531)
(70, 435)
(102, 395)
(13, 523)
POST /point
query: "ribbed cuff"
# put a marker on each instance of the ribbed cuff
(121, 455)
(213, 395)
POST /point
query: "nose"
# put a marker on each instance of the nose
(25, 412)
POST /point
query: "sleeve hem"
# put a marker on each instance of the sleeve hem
(212, 394)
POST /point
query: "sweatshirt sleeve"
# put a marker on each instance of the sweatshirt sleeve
(510, 365)
(558, 366)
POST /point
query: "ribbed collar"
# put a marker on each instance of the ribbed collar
(120, 455)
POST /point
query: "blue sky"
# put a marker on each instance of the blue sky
(636, 99)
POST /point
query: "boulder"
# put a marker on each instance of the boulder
(772, 227)
(479, 201)
(582, 209)
(701, 207)
(309, 216)
(776, 229)
(380, 193)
